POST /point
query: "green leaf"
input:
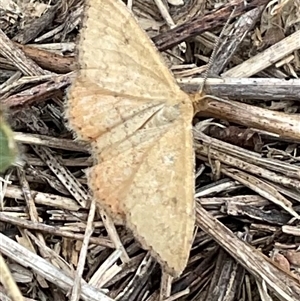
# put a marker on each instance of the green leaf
(8, 147)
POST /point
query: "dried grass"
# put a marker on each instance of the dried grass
(248, 175)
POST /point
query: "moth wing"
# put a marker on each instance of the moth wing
(152, 182)
(159, 205)
(117, 62)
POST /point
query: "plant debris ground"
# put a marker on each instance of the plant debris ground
(59, 247)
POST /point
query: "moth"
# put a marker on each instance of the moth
(127, 105)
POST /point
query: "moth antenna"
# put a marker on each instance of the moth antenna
(213, 55)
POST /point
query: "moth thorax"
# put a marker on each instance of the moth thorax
(165, 115)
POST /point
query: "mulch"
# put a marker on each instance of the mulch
(57, 247)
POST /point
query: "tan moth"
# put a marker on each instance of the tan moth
(127, 104)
